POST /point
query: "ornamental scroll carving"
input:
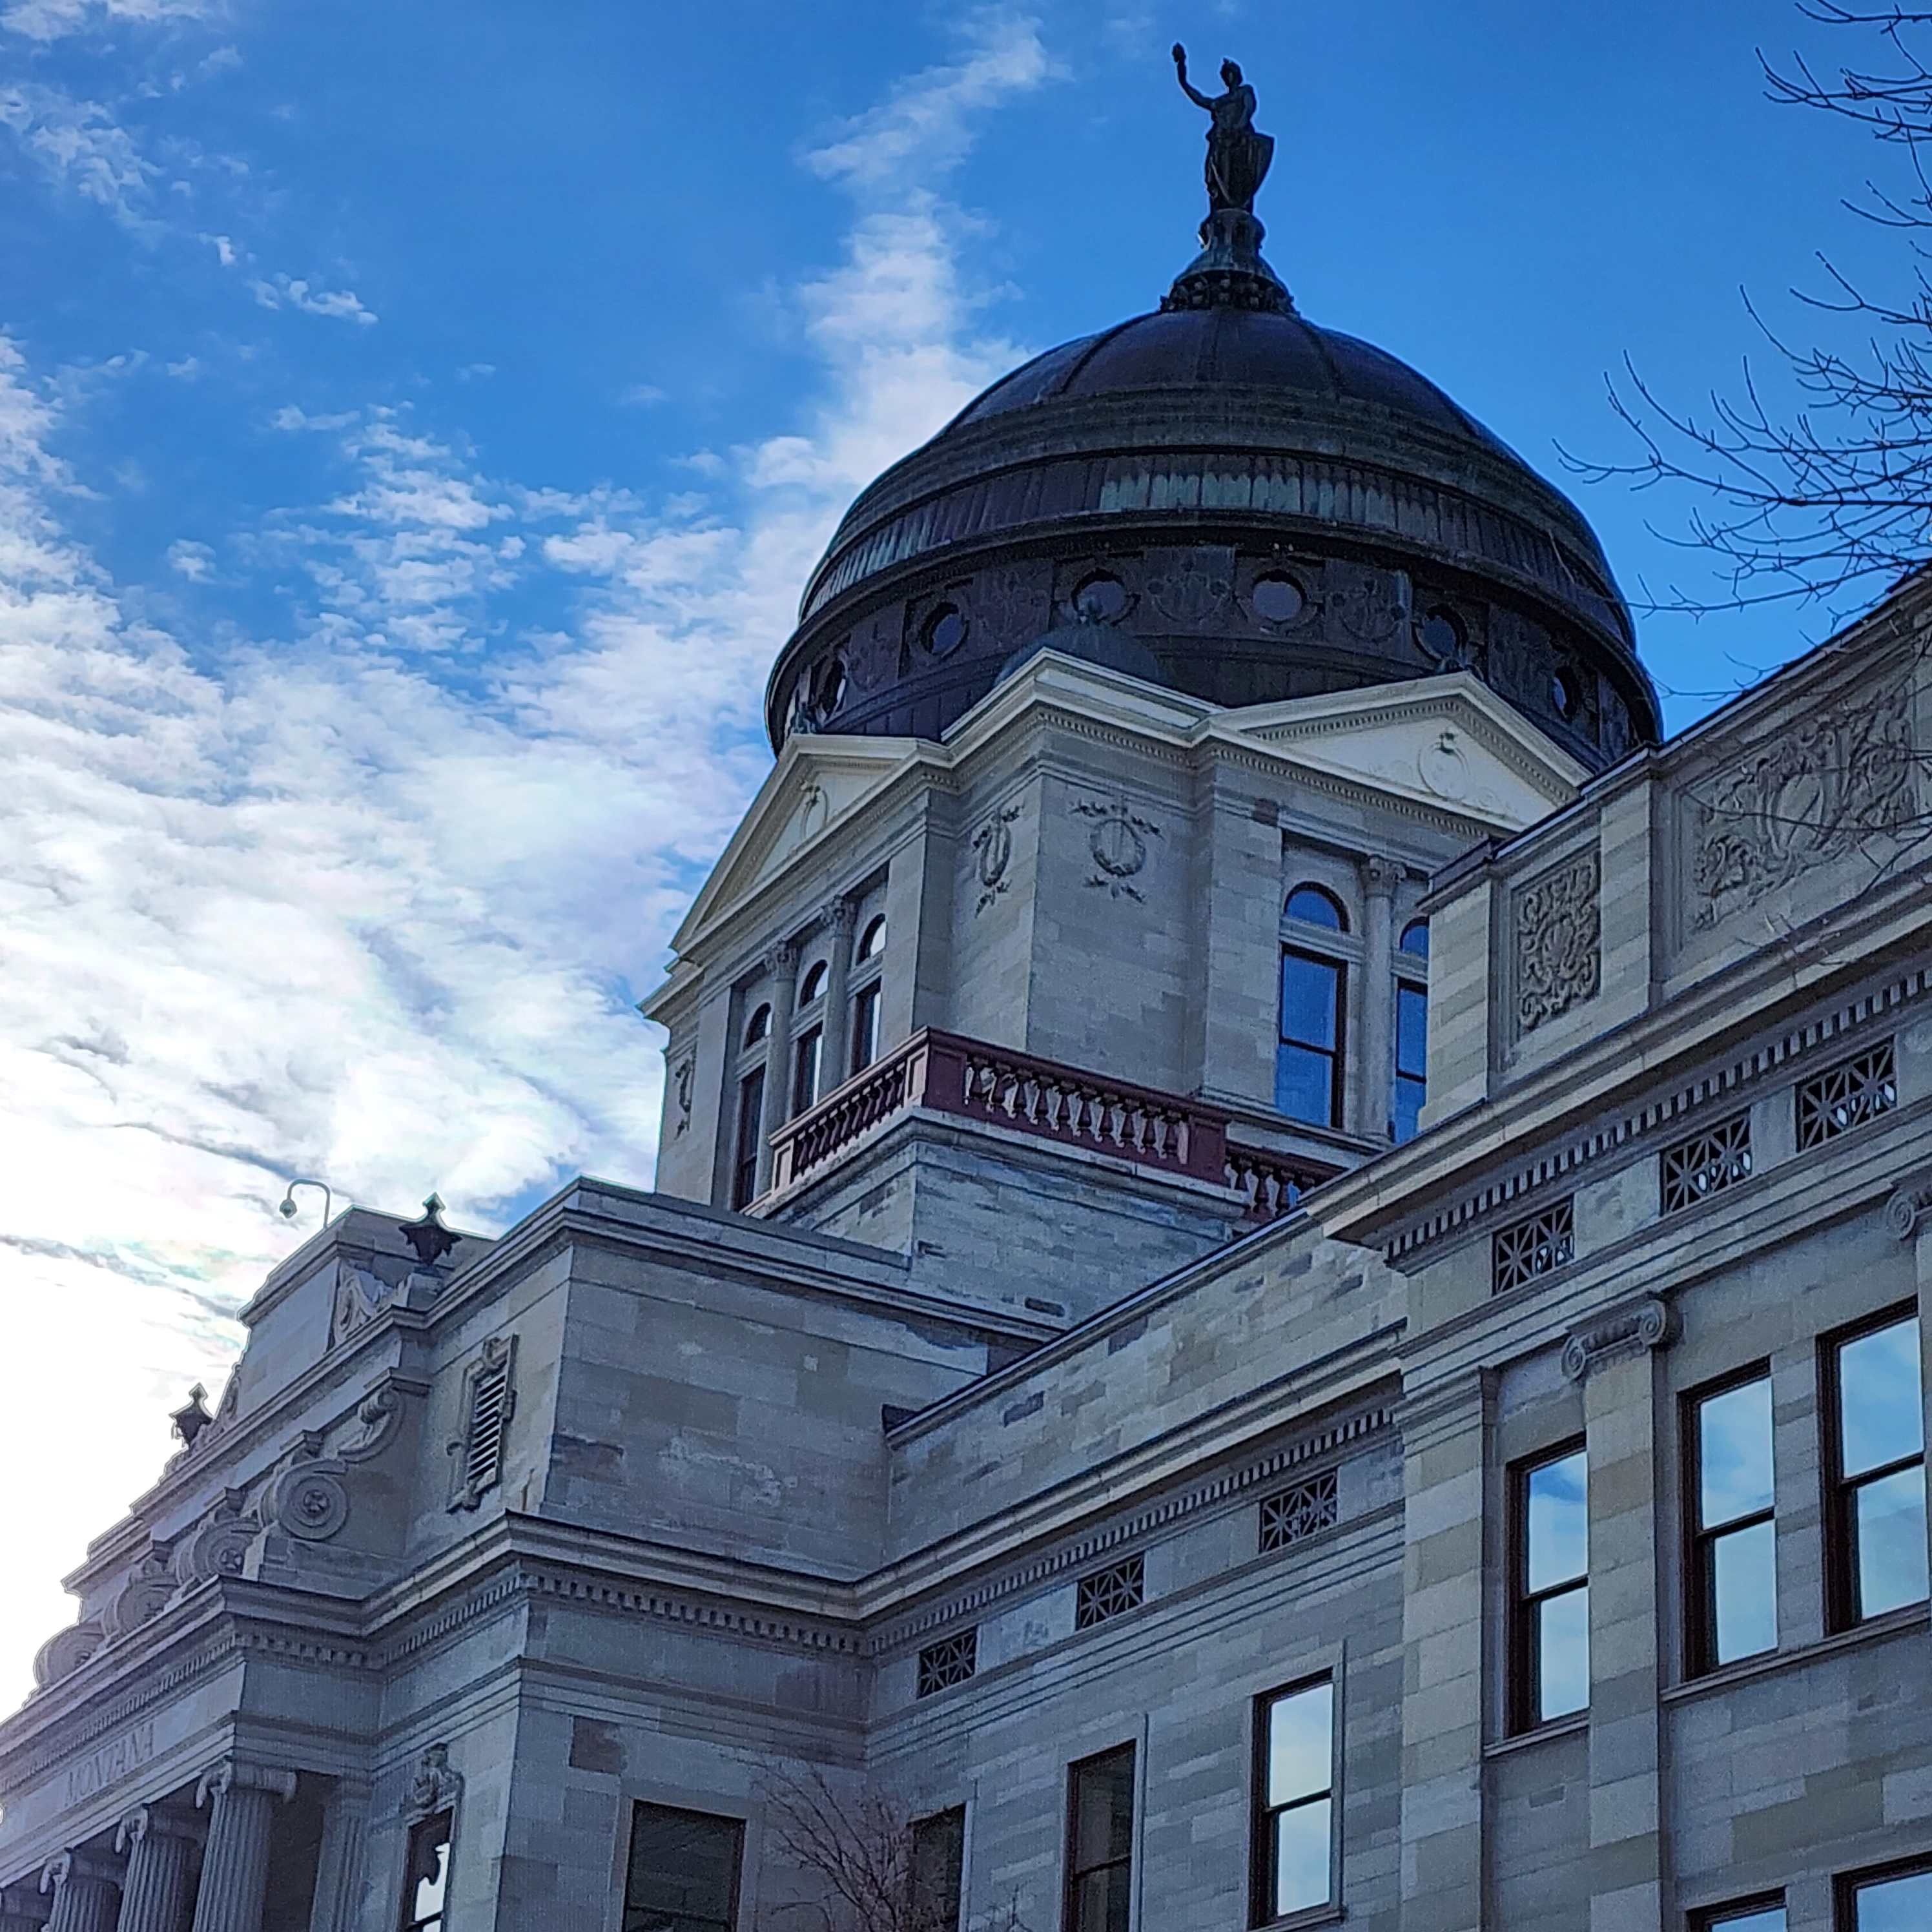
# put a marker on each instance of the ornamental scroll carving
(1826, 785)
(1558, 943)
(1630, 1330)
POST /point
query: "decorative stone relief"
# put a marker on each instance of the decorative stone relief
(1826, 785)
(1908, 1207)
(872, 657)
(145, 1593)
(360, 1296)
(310, 1501)
(682, 1077)
(809, 818)
(1365, 603)
(1118, 845)
(1557, 946)
(218, 1545)
(1010, 605)
(1192, 588)
(66, 1651)
(1629, 1330)
(992, 853)
(434, 1787)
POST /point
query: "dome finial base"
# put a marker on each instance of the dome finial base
(1229, 271)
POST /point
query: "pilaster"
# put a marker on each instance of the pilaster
(339, 1867)
(836, 1052)
(1374, 1089)
(781, 962)
(1464, 995)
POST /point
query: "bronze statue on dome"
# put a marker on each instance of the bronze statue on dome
(1237, 154)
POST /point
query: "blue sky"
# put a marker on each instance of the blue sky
(416, 424)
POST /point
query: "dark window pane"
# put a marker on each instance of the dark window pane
(1744, 1583)
(1563, 1653)
(1104, 1811)
(1309, 999)
(1753, 1919)
(1889, 1515)
(1881, 1411)
(938, 1871)
(1734, 1453)
(1304, 1085)
(1301, 1853)
(683, 1874)
(1317, 906)
(865, 1029)
(426, 1878)
(1300, 1743)
(1406, 1120)
(1102, 1900)
(1903, 1904)
(1559, 1527)
(805, 1070)
(751, 1113)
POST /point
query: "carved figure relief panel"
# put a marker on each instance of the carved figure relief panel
(1556, 927)
(1837, 785)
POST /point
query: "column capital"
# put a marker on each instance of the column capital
(1629, 1330)
(781, 955)
(1908, 1206)
(435, 1786)
(76, 1868)
(1381, 876)
(143, 1820)
(234, 1773)
(838, 914)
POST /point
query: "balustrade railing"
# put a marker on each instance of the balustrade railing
(947, 1074)
(1272, 1183)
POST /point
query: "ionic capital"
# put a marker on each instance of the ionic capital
(1628, 1330)
(1908, 1207)
(234, 1773)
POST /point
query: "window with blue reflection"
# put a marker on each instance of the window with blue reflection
(1414, 940)
(1764, 1916)
(1294, 1800)
(1315, 905)
(1308, 1056)
(1901, 1904)
(1550, 1641)
(1412, 1059)
(1879, 1559)
(1734, 1558)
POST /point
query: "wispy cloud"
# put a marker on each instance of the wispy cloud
(342, 305)
(79, 147)
(643, 396)
(370, 897)
(56, 20)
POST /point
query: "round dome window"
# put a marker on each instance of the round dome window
(1100, 599)
(945, 630)
(1277, 599)
(1566, 694)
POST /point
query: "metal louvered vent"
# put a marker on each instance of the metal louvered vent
(489, 1401)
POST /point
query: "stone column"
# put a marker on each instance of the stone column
(83, 1887)
(338, 1876)
(834, 1065)
(159, 1881)
(1611, 1356)
(1444, 1434)
(234, 1868)
(1374, 1091)
(781, 962)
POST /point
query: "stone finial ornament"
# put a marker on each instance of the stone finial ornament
(430, 1238)
(192, 1417)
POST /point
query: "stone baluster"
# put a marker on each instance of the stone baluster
(82, 1888)
(235, 1867)
(837, 1051)
(781, 962)
(159, 1879)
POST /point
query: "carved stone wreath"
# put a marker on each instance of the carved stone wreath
(1559, 928)
(993, 853)
(1118, 845)
(1827, 784)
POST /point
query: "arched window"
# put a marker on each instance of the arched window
(873, 942)
(758, 1026)
(812, 986)
(1414, 940)
(1315, 905)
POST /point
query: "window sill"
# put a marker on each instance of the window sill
(1748, 1670)
(1313, 1915)
(1543, 1734)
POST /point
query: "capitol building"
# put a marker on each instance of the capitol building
(1284, 1286)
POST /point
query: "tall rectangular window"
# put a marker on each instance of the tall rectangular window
(1894, 1901)
(1876, 1445)
(1411, 1060)
(426, 1874)
(938, 1872)
(865, 1028)
(1549, 1638)
(1308, 1057)
(1733, 1568)
(750, 1131)
(804, 1068)
(1100, 1842)
(1294, 1781)
(683, 1871)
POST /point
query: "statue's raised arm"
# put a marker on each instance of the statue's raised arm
(1193, 93)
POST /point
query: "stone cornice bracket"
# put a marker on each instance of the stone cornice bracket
(1628, 1330)
(238, 1774)
(145, 1818)
(435, 1786)
(1909, 1206)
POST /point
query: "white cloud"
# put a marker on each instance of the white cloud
(372, 901)
(643, 395)
(78, 144)
(342, 303)
(56, 20)
(475, 372)
(224, 249)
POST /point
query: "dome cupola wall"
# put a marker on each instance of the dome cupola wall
(1265, 509)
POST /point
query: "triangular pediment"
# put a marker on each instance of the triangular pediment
(1448, 742)
(817, 784)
